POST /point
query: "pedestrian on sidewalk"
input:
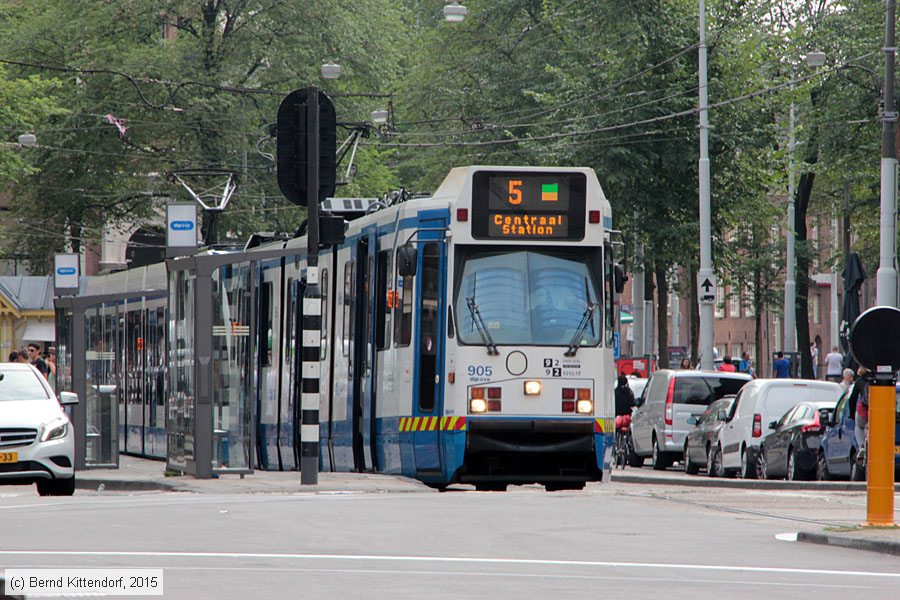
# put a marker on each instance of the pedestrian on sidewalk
(859, 406)
(834, 360)
(781, 368)
(847, 379)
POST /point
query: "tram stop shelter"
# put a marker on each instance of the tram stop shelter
(164, 361)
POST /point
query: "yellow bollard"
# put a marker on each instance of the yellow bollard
(880, 454)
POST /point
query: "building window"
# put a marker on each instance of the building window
(817, 317)
(734, 304)
(720, 302)
(747, 301)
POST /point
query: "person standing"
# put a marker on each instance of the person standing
(834, 360)
(34, 356)
(859, 406)
(685, 364)
(746, 365)
(814, 354)
(847, 379)
(727, 365)
(781, 367)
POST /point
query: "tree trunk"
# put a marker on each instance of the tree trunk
(804, 191)
(662, 309)
(649, 288)
(694, 312)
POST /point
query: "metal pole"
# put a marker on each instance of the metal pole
(834, 322)
(790, 284)
(637, 302)
(312, 304)
(886, 282)
(706, 271)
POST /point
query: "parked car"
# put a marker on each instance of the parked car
(660, 422)
(758, 403)
(838, 454)
(704, 436)
(36, 439)
(791, 449)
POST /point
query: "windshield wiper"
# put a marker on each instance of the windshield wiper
(482, 329)
(585, 320)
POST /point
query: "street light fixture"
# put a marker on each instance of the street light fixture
(379, 117)
(27, 139)
(454, 12)
(331, 70)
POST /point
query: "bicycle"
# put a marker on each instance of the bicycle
(623, 448)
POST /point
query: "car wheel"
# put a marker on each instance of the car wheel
(633, 459)
(746, 471)
(857, 471)
(793, 471)
(56, 487)
(714, 462)
(690, 467)
(822, 473)
(659, 463)
(762, 465)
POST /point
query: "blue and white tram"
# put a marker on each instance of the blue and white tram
(467, 337)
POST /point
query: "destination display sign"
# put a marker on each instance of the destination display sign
(528, 205)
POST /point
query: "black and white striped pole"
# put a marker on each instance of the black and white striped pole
(312, 304)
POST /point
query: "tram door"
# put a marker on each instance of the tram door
(429, 358)
(363, 356)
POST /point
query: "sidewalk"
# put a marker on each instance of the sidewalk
(139, 474)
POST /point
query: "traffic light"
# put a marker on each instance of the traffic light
(291, 135)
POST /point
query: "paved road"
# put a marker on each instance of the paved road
(619, 540)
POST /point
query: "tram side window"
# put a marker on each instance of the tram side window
(403, 310)
(382, 306)
(348, 308)
(265, 324)
(610, 290)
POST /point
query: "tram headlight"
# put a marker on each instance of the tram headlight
(533, 388)
(584, 407)
(477, 405)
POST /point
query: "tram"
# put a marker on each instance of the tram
(466, 337)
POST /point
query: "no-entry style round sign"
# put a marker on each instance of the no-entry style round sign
(875, 339)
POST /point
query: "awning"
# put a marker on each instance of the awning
(39, 331)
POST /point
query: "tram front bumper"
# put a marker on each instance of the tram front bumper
(530, 450)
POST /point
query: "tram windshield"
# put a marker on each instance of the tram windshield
(528, 298)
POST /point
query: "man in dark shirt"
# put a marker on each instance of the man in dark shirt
(781, 367)
(34, 355)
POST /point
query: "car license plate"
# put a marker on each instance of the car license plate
(9, 457)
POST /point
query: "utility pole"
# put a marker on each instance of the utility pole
(706, 271)
(790, 284)
(886, 282)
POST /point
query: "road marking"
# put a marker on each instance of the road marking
(453, 559)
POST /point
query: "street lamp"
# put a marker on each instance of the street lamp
(331, 70)
(27, 139)
(379, 117)
(454, 12)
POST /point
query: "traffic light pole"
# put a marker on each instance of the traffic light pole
(312, 305)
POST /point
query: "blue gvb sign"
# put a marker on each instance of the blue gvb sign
(65, 272)
(181, 226)
(181, 229)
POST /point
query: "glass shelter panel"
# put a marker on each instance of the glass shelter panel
(63, 379)
(231, 367)
(101, 385)
(181, 389)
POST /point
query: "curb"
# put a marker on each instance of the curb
(767, 484)
(123, 485)
(856, 543)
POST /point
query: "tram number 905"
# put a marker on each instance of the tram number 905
(480, 370)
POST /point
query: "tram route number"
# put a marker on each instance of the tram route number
(553, 367)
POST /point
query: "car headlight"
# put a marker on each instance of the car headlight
(58, 428)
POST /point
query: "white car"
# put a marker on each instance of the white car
(37, 444)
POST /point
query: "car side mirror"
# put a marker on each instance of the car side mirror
(773, 424)
(68, 398)
(407, 260)
(639, 401)
(693, 420)
(620, 278)
(722, 415)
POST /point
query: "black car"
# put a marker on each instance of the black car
(791, 449)
(704, 436)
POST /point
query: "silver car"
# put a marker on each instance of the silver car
(36, 439)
